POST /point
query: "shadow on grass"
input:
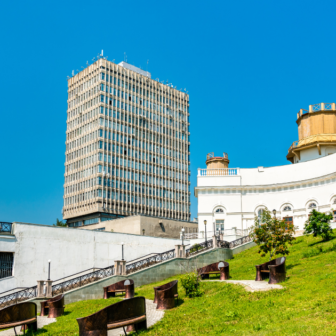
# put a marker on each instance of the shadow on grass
(322, 241)
(179, 302)
(288, 267)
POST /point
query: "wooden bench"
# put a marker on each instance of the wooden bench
(124, 286)
(221, 268)
(165, 295)
(131, 312)
(22, 314)
(274, 270)
(54, 307)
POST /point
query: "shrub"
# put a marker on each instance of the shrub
(191, 284)
(195, 248)
(318, 224)
(272, 235)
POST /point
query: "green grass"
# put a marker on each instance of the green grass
(306, 305)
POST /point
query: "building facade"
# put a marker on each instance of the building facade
(127, 146)
(231, 198)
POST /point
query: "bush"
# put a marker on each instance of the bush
(191, 284)
(319, 225)
(195, 248)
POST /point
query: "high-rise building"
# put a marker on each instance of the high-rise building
(127, 146)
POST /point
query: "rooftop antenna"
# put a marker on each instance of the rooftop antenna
(73, 73)
(125, 57)
(102, 53)
(93, 59)
(87, 62)
(147, 65)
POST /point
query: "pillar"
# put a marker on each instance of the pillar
(40, 288)
(180, 251)
(120, 267)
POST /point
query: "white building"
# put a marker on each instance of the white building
(230, 198)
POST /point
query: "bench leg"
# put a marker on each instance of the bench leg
(141, 325)
(124, 331)
(15, 331)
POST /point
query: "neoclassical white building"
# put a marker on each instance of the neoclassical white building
(231, 197)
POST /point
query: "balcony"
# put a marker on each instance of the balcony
(219, 172)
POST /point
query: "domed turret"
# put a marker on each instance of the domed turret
(317, 133)
(217, 162)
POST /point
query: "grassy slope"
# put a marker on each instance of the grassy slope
(305, 307)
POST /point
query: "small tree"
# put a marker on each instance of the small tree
(59, 223)
(318, 224)
(272, 235)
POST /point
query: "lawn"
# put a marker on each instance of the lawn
(306, 305)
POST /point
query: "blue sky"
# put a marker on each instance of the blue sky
(249, 66)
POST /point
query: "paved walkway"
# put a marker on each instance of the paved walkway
(41, 322)
(251, 285)
(153, 316)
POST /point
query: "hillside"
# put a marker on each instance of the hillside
(306, 305)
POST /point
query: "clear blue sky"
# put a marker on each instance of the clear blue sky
(249, 66)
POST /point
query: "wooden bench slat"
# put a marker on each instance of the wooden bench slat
(265, 271)
(126, 322)
(116, 290)
(18, 323)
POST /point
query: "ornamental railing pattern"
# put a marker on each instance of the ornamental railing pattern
(17, 297)
(5, 227)
(218, 172)
(150, 261)
(82, 280)
(198, 248)
(234, 243)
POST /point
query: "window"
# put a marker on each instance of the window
(6, 264)
(260, 214)
(91, 221)
(220, 210)
(287, 208)
(334, 201)
(220, 224)
(312, 205)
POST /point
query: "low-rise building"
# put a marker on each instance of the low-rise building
(231, 198)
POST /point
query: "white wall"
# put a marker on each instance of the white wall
(296, 185)
(70, 251)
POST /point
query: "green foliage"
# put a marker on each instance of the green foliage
(192, 285)
(60, 223)
(306, 306)
(272, 235)
(318, 224)
(195, 248)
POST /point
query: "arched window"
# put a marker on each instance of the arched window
(334, 201)
(287, 208)
(260, 214)
(219, 210)
(312, 205)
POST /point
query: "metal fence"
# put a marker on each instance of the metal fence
(14, 298)
(5, 227)
(82, 280)
(198, 248)
(151, 260)
(6, 264)
(234, 243)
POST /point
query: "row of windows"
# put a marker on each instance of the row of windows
(120, 196)
(111, 183)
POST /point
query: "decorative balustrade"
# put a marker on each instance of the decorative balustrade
(198, 248)
(82, 280)
(226, 232)
(235, 243)
(151, 260)
(218, 172)
(5, 227)
(14, 298)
